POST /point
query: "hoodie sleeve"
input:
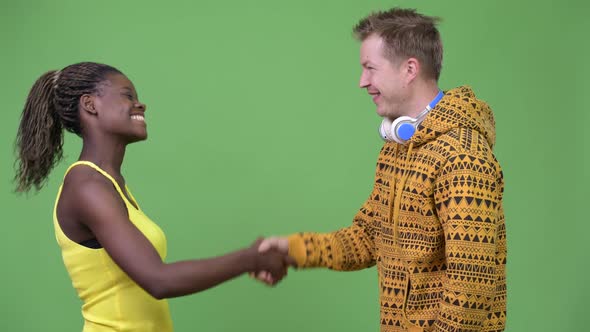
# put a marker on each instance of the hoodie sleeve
(348, 249)
(468, 196)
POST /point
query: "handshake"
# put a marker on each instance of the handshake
(272, 259)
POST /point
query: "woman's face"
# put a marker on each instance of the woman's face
(119, 111)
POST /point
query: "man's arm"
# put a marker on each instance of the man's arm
(348, 249)
(468, 196)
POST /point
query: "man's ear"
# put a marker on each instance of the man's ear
(87, 104)
(412, 69)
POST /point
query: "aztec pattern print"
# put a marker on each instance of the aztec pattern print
(433, 225)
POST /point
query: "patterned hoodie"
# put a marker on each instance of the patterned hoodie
(433, 225)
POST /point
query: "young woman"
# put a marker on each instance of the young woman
(113, 252)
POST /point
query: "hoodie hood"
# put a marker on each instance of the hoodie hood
(459, 108)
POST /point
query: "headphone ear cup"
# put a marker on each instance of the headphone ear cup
(385, 130)
(402, 129)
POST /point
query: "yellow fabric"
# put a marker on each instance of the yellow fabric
(433, 225)
(111, 300)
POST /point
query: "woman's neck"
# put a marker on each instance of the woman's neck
(106, 154)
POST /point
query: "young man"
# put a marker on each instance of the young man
(434, 222)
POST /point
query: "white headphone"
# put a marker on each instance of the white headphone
(403, 128)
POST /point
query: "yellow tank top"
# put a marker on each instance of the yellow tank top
(111, 300)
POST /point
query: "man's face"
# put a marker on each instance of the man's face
(384, 80)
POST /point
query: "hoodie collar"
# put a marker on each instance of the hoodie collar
(459, 108)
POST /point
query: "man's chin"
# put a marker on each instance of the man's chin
(381, 112)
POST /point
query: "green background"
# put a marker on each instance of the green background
(257, 127)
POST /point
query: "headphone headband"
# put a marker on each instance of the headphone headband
(404, 127)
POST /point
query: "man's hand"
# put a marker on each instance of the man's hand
(278, 244)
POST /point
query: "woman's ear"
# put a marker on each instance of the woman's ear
(87, 104)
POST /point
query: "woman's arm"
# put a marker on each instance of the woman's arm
(100, 208)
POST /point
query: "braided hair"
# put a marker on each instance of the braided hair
(52, 106)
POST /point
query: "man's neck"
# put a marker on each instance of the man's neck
(424, 93)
